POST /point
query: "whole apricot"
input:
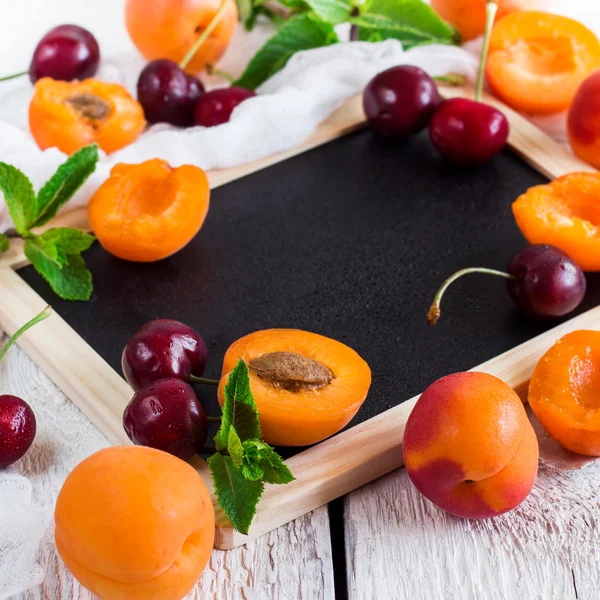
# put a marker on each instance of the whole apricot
(469, 447)
(564, 392)
(135, 523)
(583, 124)
(468, 16)
(169, 28)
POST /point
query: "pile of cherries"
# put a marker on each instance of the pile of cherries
(166, 92)
(160, 362)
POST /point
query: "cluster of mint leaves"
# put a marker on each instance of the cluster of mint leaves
(56, 253)
(243, 462)
(311, 25)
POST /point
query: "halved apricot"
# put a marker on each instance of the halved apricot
(564, 392)
(566, 214)
(306, 386)
(71, 114)
(538, 60)
(149, 211)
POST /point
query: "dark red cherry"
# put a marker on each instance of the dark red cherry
(542, 281)
(168, 94)
(468, 132)
(161, 349)
(17, 429)
(215, 107)
(547, 283)
(400, 101)
(66, 52)
(167, 415)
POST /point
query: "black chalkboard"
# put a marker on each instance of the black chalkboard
(350, 240)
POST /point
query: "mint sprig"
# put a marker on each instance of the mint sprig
(56, 253)
(311, 22)
(243, 462)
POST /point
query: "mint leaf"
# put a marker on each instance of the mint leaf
(260, 457)
(19, 195)
(58, 243)
(412, 22)
(237, 496)
(235, 448)
(299, 33)
(72, 281)
(331, 11)
(61, 187)
(239, 408)
(4, 242)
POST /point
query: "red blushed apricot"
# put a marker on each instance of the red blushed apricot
(306, 386)
(564, 392)
(469, 447)
(583, 124)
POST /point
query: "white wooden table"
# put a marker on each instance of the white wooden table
(397, 545)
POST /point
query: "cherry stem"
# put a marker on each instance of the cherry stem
(434, 310)
(212, 70)
(453, 79)
(204, 35)
(491, 10)
(194, 379)
(213, 419)
(43, 315)
(14, 76)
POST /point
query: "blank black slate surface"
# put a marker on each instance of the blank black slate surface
(350, 240)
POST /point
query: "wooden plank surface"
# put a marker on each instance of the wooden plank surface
(291, 563)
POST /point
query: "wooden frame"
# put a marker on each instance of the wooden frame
(333, 467)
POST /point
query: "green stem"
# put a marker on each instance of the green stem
(194, 379)
(453, 79)
(492, 9)
(212, 70)
(213, 419)
(202, 38)
(43, 315)
(14, 76)
(434, 310)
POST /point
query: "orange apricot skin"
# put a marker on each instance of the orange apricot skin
(564, 392)
(468, 16)
(583, 122)
(149, 211)
(169, 28)
(538, 60)
(469, 447)
(135, 523)
(53, 124)
(305, 417)
(564, 213)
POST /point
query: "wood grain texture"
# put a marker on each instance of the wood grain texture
(399, 545)
(291, 563)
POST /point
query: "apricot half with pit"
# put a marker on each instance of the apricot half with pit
(134, 523)
(469, 447)
(306, 386)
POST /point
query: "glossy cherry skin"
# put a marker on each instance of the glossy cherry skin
(161, 349)
(66, 52)
(168, 416)
(548, 283)
(17, 429)
(168, 94)
(400, 102)
(467, 132)
(216, 106)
